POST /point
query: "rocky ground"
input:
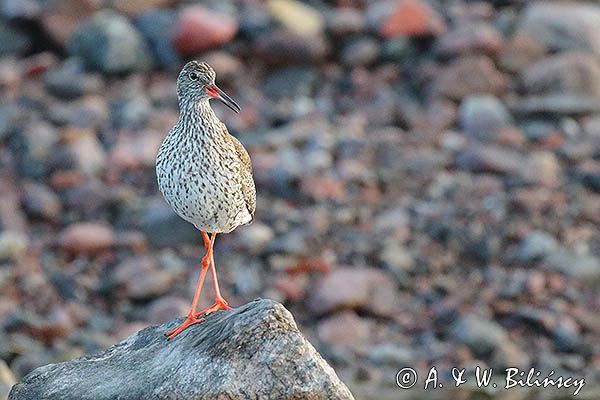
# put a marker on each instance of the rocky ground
(428, 178)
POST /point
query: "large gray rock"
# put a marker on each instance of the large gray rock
(253, 352)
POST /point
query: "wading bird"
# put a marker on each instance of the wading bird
(205, 174)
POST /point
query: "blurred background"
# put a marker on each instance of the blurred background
(428, 178)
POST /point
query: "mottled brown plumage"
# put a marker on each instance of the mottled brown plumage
(204, 173)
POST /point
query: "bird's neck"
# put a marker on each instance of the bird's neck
(198, 118)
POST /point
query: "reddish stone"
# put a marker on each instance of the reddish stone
(344, 329)
(201, 29)
(412, 18)
(65, 16)
(368, 289)
(470, 75)
(86, 237)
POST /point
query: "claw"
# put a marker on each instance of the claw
(189, 321)
(220, 304)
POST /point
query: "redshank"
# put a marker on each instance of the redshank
(205, 174)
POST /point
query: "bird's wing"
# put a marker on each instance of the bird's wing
(248, 188)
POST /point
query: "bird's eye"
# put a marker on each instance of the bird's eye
(193, 76)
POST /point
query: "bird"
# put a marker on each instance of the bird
(205, 174)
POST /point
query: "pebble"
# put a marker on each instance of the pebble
(256, 237)
(562, 26)
(470, 75)
(200, 29)
(492, 159)
(582, 267)
(110, 43)
(141, 278)
(13, 245)
(520, 52)
(13, 39)
(344, 329)
(158, 28)
(284, 47)
(536, 245)
(69, 81)
(409, 18)
(39, 201)
(474, 38)
(482, 336)
(65, 16)
(162, 227)
(372, 290)
(483, 117)
(346, 22)
(360, 52)
(296, 16)
(86, 237)
(557, 73)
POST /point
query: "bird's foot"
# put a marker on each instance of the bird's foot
(189, 321)
(220, 304)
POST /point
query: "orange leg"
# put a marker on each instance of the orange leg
(220, 303)
(192, 317)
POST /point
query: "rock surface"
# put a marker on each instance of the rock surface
(255, 351)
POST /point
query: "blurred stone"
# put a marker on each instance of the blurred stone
(482, 336)
(158, 28)
(366, 289)
(536, 245)
(346, 22)
(228, 65)
(87, 151)
(298, 17)
(39, 201)
(583, 267)
(110, 43)
(469, 75)
(136, 7)
(492, 159)
(55, 324)
(14, 40)
(567, 336)
(344, 329)
(543, 167)
(563, 26)
(86, 237)
(65, 16)
(21, 9)
(256, 236)
(392, 354)
(200, 29)
(163, 227)
(289, 82)
(483, 116)
(141, 279)
(130, 112)
(166, 308)
(510, 355)
(7, 378)
(285, 47)
(135, 151)
(33, 148)
(570, 72)
(13, 245)
(589, 173)
(69, 80)
(360, 52)
(521, 51)
(410, 18)
(469, 39)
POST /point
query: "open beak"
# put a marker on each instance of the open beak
(216, 93)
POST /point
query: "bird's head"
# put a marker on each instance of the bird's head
(196, 82)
